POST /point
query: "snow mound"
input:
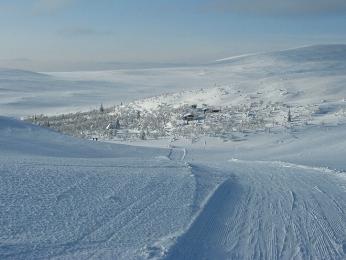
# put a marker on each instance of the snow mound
(18, 137)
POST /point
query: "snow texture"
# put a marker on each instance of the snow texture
(265, 195)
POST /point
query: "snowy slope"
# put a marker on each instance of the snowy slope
(270, 210)
(26, 139)
(278, 194)
(254, 92)
(24, 93)
(268, 204)
(112, 202)
(298, 76)
(303, 75)
(283, 196)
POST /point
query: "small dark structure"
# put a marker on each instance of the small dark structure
(189, 117)
(194, 106)
(205, 110)
(215, 110)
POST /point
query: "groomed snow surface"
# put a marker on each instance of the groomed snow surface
(270, 195)
(64, 198)
(54, 205)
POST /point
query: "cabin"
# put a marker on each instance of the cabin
(215, 110)
(205, 110)
(189, 117)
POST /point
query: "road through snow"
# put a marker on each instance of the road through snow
(270, 210)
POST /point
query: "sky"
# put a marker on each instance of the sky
(63, 35)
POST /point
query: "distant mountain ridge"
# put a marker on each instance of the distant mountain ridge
(325, 52)
(10, 73)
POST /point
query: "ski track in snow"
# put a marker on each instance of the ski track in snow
(270, 210)
(89, 212)
(149, 207)
(177, 154)
(64, 198)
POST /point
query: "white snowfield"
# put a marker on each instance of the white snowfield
(269, 210)
(271, 195)
(297, 76)
(63, 198)
(112, 202)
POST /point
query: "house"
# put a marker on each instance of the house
(215, 110)
(205, 110)
(189, 117)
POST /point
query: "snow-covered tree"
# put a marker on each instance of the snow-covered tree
(289, 116)
(117, 124)
(142, 135)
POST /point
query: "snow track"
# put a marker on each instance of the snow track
(66, 198)
(177, 154)
(121, 202)
(209, 219)
(70, 208)
(270, 210)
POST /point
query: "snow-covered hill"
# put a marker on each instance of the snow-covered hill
(61, 197)
(305, 75)
(322, 53)
(253, 93)
(240, 183)
(273, 196)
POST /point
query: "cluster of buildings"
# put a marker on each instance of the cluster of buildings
(196, 113)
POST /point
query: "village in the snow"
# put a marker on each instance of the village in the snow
(231, 116)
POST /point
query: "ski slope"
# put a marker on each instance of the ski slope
(267, 195)
(128, 202)
(111, 202)
(270, 210)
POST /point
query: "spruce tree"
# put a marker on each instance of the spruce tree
(289, 116)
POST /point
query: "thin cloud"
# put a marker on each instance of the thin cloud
(277, 7)
(50, 6)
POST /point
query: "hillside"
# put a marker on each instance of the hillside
(256, 93)
(273, 196)
(66, 198)
(250, 166)
(306, 74)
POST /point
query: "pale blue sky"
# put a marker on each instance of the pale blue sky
(83, 34)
